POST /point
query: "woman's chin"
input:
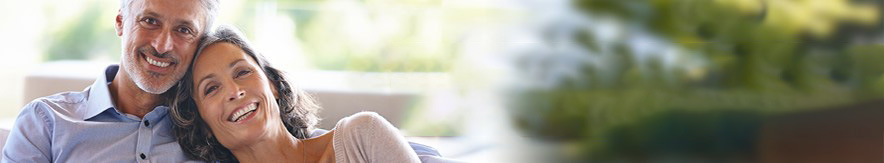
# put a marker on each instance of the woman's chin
(246, 138)
(250, 130)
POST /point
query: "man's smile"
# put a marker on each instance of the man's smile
(158, 65)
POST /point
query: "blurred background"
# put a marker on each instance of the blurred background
(538, 80)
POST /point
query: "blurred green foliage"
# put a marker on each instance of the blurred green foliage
(372, 36)
(381, 36)
(764, 57)
(711, 136)
(84, 37)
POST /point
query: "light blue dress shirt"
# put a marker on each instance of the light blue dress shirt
(86, 127)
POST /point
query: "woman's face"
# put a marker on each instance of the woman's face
(234, 96)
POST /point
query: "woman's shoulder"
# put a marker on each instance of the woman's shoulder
(363, 122)
(367, 135)
(366, 127)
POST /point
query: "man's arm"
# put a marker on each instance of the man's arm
(29, 140)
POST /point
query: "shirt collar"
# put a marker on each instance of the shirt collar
(100, 99)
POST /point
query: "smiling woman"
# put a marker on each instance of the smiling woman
(294, 108)
(233, 106)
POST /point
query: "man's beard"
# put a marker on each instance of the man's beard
(147, 81)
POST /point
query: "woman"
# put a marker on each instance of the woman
(233, 106)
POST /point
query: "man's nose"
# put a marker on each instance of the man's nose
(163, 42)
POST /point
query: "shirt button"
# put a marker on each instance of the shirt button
(146, 123)
(143, 156)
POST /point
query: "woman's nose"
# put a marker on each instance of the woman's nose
(237, 94)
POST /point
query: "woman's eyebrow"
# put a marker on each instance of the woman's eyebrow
(235, 62)
(213, 75)
(204, 78)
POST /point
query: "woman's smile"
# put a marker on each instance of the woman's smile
(243, 113)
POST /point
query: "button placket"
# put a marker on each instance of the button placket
(144, 141)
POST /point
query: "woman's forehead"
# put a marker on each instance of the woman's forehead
(219, 52)
(217, 57)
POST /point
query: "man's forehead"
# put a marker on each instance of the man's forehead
(176, 10)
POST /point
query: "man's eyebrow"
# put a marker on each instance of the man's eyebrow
(156, 15)
(151, 14)
(187, 23)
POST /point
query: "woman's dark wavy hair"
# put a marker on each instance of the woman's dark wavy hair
(297, 108)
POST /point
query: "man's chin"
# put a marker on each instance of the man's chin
(149, 81)
(154, 87)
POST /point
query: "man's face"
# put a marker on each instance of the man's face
(159, 38)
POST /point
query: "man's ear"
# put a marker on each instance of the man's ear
(118, 23)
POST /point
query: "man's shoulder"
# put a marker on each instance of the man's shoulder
(63, 103)
(64, 97)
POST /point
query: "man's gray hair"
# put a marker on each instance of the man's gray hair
(210, 6)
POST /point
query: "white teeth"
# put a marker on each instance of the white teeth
(157, 63)
(239, 115)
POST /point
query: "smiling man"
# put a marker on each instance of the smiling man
(120, 118)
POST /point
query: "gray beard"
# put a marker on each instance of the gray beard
(142, 78)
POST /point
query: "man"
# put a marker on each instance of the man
(120, 117)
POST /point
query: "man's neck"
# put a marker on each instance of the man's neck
(130, 99)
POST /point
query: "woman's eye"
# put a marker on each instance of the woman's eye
(243, 73)
(210, 89)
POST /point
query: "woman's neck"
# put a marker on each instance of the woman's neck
(280, 146)
(284, 146)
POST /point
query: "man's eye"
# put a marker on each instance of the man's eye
(150, 21)
(210, 89)
(185, 30)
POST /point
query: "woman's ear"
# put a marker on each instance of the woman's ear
(275, 89)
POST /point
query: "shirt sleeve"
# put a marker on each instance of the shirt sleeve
(29, 139)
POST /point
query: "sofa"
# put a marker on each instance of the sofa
(61, 76)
